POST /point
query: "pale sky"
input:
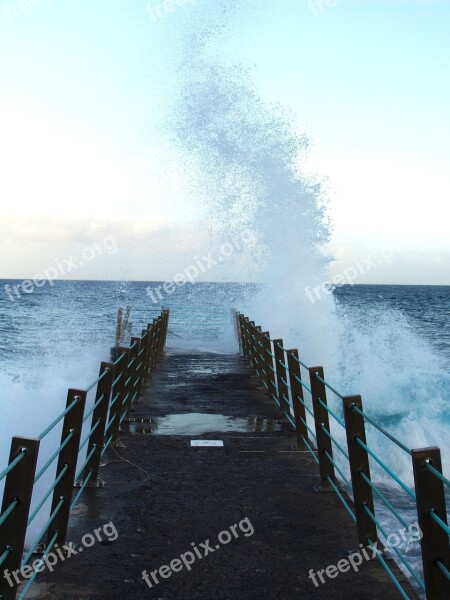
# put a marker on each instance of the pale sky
(84, 153)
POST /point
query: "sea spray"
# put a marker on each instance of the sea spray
(246, 165)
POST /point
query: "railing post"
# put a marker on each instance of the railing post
(150, 350)
(118, 395)
(279, 358)
(155, 344)
(240, 318)
(237, 327)
(359, 462)
(166, 325)
(18, 486)
(99, 415)
(160, 336)
(252, 344)
(261, 361)
(245, 338)
(133, 372)
(239, 331)
(268, 365)
(324, 444)
(297, 397)
(257, 347)
(128, 392)
(68, 457)
(430, 497)
(144, 344)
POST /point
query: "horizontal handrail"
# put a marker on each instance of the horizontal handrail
(47, 494)
(389, 471)
(330, 387)
(9, 510)
(303, 384)
(99, 378)
(338, 469)
(393, 578)
(341, 498)
(57, 420)
(399, 554)
(437, 474)
(382, 430)
(334, 440)
(440, 522)
(53, 457)
(81, 490)
(330, 412)
(117, 361)
(12, 464)
(383, 498)
(89, 413)
(37, 569)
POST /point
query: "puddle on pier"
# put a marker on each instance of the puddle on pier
(198, 423)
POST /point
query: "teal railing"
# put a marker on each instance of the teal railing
(118, 385)
(281, 372)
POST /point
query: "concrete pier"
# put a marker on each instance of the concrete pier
(252, 499)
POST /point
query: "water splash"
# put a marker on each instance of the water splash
(246, 162)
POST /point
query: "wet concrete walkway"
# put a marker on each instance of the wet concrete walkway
(162, 496)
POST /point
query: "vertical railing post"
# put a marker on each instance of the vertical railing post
(251, 333)
(261, 361)
(160, 336)
(129, 390)
(237, 326)
(277, 355)
(241, 333)
(155, 344)
(268, 365)
(166, 326)
(150, 348)
(251, 336)
(157, 324)
(257, 348)
(246, 343)
(99, 415)
(67, 464)
(133, 372)
(297, 397)
(118, 394)
(430, 498)
(359, 463)
(18, 488)
(321, 422)
(140, 364)
(280, 370)
(144, 356)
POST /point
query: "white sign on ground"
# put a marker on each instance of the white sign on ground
(206, 443)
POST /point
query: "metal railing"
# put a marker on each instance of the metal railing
(118, 385)
(280, 371)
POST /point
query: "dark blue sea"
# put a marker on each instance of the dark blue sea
(391, 344)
